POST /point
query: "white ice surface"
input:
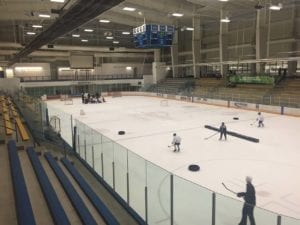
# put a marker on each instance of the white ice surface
(273, 162)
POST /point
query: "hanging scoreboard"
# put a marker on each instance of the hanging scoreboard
(153, 36)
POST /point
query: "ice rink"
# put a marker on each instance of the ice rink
(273, 162)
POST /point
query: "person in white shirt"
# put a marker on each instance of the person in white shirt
(176, 142)
(260, 120)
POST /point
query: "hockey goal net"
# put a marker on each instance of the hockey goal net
(67, 99)
(164, 102)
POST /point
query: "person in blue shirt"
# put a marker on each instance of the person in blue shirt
(223, 131)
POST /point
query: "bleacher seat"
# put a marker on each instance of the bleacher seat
(74, 197)
(23, 205)
(58, 214)
(96, 201)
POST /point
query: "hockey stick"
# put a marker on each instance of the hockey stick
(253, 123)
(211, 136)
(228, 189)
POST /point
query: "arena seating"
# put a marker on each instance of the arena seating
(96, 201)
(23, 206)
(58, 214)
(74, 197)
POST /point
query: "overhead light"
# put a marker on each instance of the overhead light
(128, 68)
(225, 20)
(189, 28)
(30, 33)
(44, 15)
(116, 42)
(104, 21)
(88, 30)
(75, 35)
(126, 32)
(109, 37)
(37, 26)
(60, 1)
(64, 69)
(276, 7)
(223, 0)
(84, 40)
(130, 9)
(177, 14)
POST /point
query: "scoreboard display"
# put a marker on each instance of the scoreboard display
(153, 36)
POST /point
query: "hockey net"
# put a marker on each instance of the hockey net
(67, 99)
(55, 123)
(164, 102)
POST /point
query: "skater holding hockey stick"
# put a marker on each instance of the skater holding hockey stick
(250, 201)
(260, 120)
(176, 142)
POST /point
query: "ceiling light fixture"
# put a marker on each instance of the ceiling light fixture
(59, 1)
(130, 9)
(30, 33)
(225, 20)
(88, 30)
(37, 26)
(126, 32)
(189, 28)
(104, 21)
(276, 7)
(44, 15)
(223, 0)
(116, 42)
(84, 40)
(177, 14)
(110, 38)
(75, 35)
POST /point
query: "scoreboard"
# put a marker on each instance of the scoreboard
(153, 36)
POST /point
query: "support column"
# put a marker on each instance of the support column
(174, 54)
(157, 57)
(196, 45)
(261, 38)
(223, 45)
(292, 65)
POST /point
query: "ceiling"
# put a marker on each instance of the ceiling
(18, 16)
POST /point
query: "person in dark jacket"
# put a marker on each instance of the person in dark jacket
(250, 202)
(223, 131)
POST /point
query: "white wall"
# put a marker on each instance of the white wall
(110, 69)
(120, 68)
(31, 69)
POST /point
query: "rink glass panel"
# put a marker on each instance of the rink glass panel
(158, 195)
(192, 209)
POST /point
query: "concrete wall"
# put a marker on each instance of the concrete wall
(9, 85)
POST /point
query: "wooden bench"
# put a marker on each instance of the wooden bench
(7, 124)
(23, 133)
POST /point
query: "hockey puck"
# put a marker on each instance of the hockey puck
(235, 118)
(194, 167)
(121, 132)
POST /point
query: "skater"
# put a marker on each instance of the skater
(82, 97)
(176, 142)
(250, 201)
(223, 130)
(260, 120)
(97, 97)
